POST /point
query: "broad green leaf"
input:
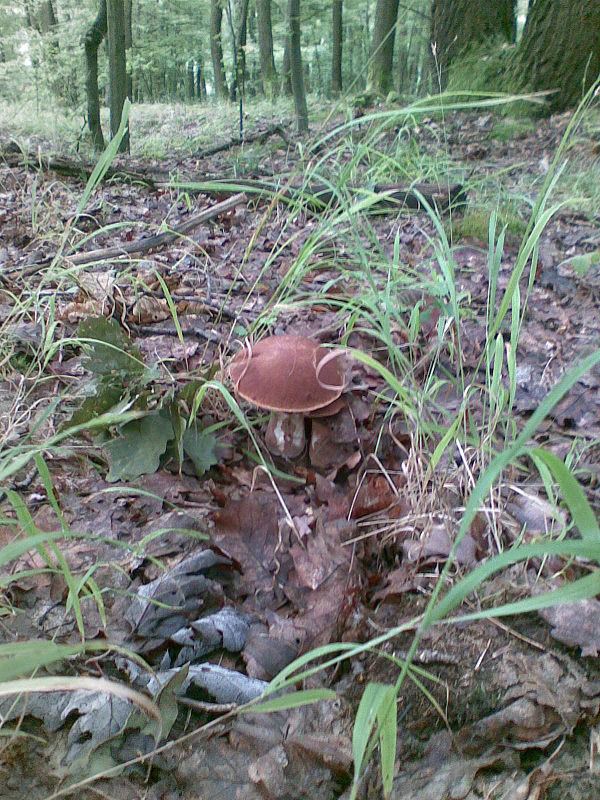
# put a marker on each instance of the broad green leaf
(138, 449)
(110, 351)
(200, 448)
(107, 397)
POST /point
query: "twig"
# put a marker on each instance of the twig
(258, 136)
(143, 245)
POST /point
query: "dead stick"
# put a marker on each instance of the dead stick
(143, 245)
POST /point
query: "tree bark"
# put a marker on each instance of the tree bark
(265, 48)
(216, 49)
(115, 18)
(336, 48)
(458, 24)
(296, 66)
(91, 42)
(238, 34)
(200, 80)
(382, 49)
(286, 69)
(559, 50)
(128, 43)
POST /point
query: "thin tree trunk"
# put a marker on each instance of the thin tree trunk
(200, 81)
(265, 48)
(238, 35)
(216, 49)
(91, 42)
(336, 47)
(115, 18)
(382, 49)
(286, 69)
(128, 43)
(296, 66)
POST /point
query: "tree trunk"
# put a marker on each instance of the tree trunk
(238, 35)
(336, 48)
(189, 83)
(200, 81)
(296, 66)
(91, 42)
(458, 24)
(286, 70)
(382, 49)
(265, 48)
(216, 49)
(115, 18)
(559, 50)
(128, 43)
(43, 17)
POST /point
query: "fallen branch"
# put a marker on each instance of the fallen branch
(151, 242)
(140, 245)
(258, 136)
(12, 155)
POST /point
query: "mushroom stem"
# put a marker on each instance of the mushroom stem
(285, 434)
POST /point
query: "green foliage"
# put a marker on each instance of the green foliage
(122, 381)
(511, 128)
(138, 447)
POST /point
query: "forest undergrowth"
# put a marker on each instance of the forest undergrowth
(456, 487)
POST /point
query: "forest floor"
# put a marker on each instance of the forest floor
(238, 571)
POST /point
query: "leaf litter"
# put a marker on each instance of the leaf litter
(346, 549)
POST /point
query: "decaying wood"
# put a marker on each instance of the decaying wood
(257, 136)
(12, 155)
(319, 195)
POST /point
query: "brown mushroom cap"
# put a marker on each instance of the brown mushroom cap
(280, 373)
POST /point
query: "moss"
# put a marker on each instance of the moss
(475, 223)
(506, 130)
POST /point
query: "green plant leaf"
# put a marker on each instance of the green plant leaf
(200, 448)
(19, 659)
(387, 723)
(293, 700)
(110, 352)
(581, 511)
(138, 449)
(583, 263)
(374, 696)
(107, 397)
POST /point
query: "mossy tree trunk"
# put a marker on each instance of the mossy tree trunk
(91, 42)
(265, 48)
(559, 50)
(458, 24)
(216, 49)
(296, 70)
(117, 67)
(382, 48)
(336, 47)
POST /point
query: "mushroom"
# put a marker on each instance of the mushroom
(291, 376)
